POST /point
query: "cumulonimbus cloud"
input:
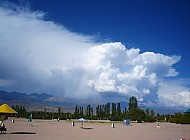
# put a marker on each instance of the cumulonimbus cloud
(41, 56)
(115, 68)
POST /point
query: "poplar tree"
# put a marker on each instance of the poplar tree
(133, 104)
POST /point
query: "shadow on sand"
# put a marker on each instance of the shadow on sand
(22, 133)
(87, 128)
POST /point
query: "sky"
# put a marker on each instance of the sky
(86, 49)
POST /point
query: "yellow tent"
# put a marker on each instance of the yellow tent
(7, 109)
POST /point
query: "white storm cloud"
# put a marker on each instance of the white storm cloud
(114, 68)
(174, 93)
(32, 49)
(41, 56)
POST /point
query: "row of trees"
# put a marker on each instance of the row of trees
(21, 111)
(102, 112)
(180, 118)
(107, 111)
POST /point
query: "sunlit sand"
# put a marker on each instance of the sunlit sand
(63, 130)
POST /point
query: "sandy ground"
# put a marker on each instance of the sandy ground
(63, 130)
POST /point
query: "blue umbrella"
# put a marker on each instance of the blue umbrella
(82, 120)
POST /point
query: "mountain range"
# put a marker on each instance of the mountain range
(40, 102)
(35, 101)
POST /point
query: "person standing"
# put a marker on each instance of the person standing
(30, 119)
(158, 126)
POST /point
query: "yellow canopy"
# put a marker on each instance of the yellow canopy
(6, 109)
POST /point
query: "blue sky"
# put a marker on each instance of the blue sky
(152, 25)
(80, 49)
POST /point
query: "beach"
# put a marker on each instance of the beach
(21, 129)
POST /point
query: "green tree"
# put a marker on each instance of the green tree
(89, 112)
(185, 119)
(75, 113)
(133, 104)
(114, 112)
(141, 115)
(177, 118)
(147, 112)
(150, 116)
(59, 111)
(118, 111)
(81, 113)
(98, 112)
(107, 110)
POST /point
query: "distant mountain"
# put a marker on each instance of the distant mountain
(35, 101)
(42, 96)
(9, 96)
